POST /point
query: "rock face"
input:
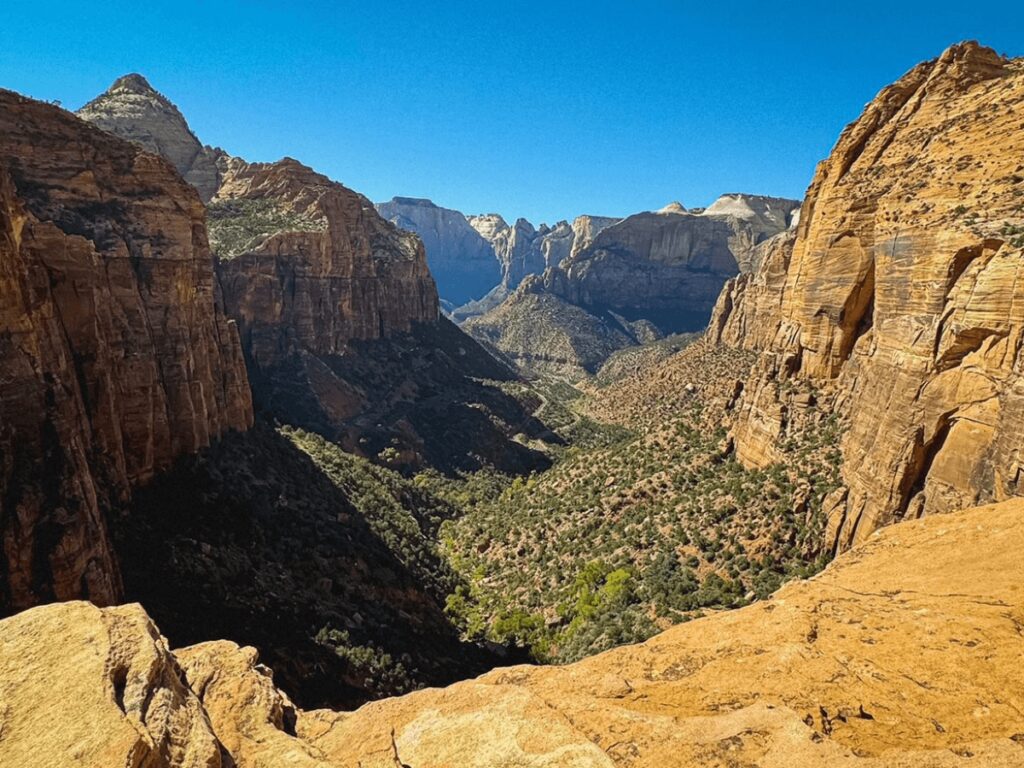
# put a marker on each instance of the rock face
(585, 229)
(525, 250)
(134, 110)
(542, 334)
(904, 652)
(339, 319)
(669, 266)
(462, 262)
(116, 353)
(898, 297)
(348, 275)
(108, 693)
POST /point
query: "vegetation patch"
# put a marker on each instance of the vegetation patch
(649, 527)
(238, 226)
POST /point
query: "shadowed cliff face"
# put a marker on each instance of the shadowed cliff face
(116, 353)
(462, 262)
(899, 296)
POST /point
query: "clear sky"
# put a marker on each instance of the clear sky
(537, 109)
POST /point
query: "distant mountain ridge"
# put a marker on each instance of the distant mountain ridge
(654, 272)
(478, 260)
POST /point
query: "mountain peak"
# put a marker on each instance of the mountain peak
(133, 82)
(673, 207)
(132, 109)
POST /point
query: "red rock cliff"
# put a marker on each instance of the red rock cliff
(900, 298)
(115, 352)
(332, 271)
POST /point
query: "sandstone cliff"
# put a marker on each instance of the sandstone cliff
(116, 353)
(339, 319)
(904, 652)
(898, 298)
(525, 250)
(337, 274)
(133, 109)
(669, 266)
(462, 262)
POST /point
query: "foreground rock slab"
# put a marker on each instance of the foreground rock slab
(81, 685)
(905, 652)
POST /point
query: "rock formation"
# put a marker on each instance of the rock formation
(620, 283)
(338, 315)
(585, 229)
(668, 267)
(904, 652)
(117, 356)
(525, 250)
(462, 262)
(343, 274)
(134, 110)
(898, 297)
(542, 334)
(81, 685)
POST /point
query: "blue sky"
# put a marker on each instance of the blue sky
(536, 109)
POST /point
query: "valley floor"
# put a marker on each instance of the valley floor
(646, 520)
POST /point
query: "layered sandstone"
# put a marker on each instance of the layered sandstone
(904, 652)
(116, 353)
(669, 266)
(898, 298)
(319, 288)
(133, 109)
(462, 262)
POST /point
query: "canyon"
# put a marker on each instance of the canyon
(236, 408)
(310, 271)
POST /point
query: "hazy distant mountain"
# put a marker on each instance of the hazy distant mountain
(661, 269)
(463, 263)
